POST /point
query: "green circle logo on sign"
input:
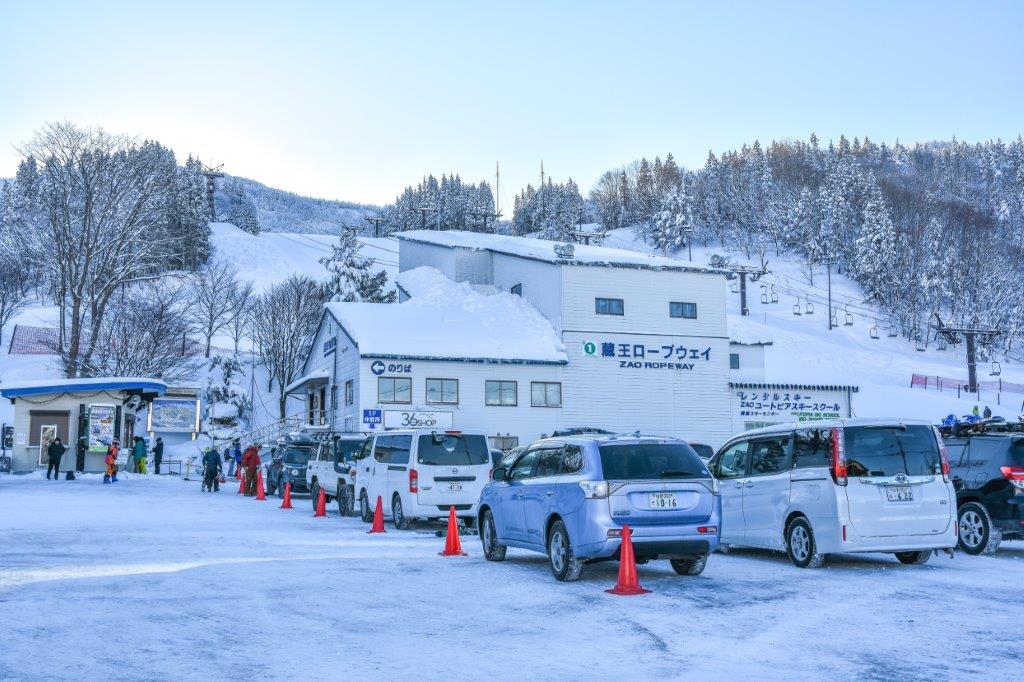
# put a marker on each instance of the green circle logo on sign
(589, 348)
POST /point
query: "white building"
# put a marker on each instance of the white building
(519, 337)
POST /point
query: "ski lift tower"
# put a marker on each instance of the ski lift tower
(972, 334)
(484, 215)
(374, 220)
(212, 173)
(584, 236)
(744, 271)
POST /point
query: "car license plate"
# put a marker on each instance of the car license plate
(899, 493)
(455, 487)
(663, 500)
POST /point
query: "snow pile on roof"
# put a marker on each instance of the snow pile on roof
(450, 320)
(747, 332)
(544, 250)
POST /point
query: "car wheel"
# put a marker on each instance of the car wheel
(493, 550)
(914, 558)
(314, 493)
(344, 501)
(564, 565)
(689, 566)
(364, 508)
(977, 535)
(397, 515)
(800, 544)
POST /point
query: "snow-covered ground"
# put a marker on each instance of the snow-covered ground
(151, 579)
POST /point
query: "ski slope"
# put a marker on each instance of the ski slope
(805, 351)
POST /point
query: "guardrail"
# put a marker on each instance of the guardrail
(994, 387)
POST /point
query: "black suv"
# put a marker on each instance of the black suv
(987, 470)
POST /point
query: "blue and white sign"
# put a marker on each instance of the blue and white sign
(330, 345)
(378, 368)
(665, 355)
(373, 417)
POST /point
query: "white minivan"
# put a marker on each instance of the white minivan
(856, 485)
(420, 474)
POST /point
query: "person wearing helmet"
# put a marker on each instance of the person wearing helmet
(211, 471)
(110, 476)
(251, 462)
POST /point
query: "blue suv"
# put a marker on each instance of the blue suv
(569, 498)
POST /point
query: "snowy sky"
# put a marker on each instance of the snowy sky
(356, 100)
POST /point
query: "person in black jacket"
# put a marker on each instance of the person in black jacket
(80, 449)
(211, 470)
(54, 452)
(158, 454)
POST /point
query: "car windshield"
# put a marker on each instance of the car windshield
(346, 450)
(1018, 451)
(452, 450)
(297, 456)
(887, 451)
(705, 452)
(646, 461)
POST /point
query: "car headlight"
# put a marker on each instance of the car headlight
(295, 472)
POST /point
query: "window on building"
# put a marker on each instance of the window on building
(443, 391)
(503, 393)
(734, 360)
(686, 311)
(350, 392)
(394, 390)
(517, 289)
(546, 394)
(609, 306)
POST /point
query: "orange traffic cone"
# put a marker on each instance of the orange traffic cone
(452, 544)
(628, 583)
(321, 504)
(260, 493)
(378, 518)
(241, 484)
(287, 504)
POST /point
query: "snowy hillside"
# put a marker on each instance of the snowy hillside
(805, 351)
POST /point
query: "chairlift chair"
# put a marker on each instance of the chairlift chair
(942, 345)
(920, 347)
(874, 331)
(849, 319)
(893, 332)
(775, 294)
(809, 308)
(764, 297)
(833, 321)
(997, 369)
(796, 308)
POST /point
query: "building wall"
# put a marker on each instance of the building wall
(473, 266)
(751, 362)
(341, 365)
(526, 422)
(415, 254)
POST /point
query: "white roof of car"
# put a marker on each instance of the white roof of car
(448, 320)
(833, 423)
(544, 250)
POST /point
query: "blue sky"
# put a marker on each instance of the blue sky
(356, 100)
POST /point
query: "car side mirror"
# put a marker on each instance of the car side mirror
(499, 474)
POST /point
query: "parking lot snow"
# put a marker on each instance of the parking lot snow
(149, 578)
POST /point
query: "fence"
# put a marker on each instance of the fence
(994, 386)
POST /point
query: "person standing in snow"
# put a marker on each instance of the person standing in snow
(54, 451)
(975, 412)
(987, 414)
(139, 454)
(158, 455)
(211, 470)
(80, 449)
(251, 462)
(236, 453)
(110, 476)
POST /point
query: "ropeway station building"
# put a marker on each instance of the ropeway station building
(519, 337)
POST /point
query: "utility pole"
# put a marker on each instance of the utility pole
(543, 207)
(972, 334)
(485, 215)
(423, 210)
(688, 231)
(828, 269)
(374, 220)
(497, 187)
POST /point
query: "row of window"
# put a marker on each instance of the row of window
(773, 454)
(446, 392)
(616, 306)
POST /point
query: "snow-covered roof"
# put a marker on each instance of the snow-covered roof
(316, 375)
(17, 389)
(450, 321)
(544, 250)
(747, 332)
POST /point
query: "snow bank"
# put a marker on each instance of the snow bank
(445, 319)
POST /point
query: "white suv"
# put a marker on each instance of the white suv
(419, 473)
(817, 488)
(331, 469)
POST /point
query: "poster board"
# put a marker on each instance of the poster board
(47, 434)
(101, 426)
(175, 415)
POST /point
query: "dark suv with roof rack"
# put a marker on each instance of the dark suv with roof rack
(987, 469)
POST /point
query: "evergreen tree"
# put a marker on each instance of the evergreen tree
(352, 276)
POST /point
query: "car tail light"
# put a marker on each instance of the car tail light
(707, 530)
(838, 457)
(1015, 475)
(943, 455)
(595, 489)
(414, 481)
(453, 432)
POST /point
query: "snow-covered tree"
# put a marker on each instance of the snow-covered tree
(241, 210)
(228, 404)
(675, 223)
(353, 277)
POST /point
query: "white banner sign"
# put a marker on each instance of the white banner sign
(416, 419)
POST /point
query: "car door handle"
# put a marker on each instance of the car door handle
(738, 484)
(748, 484)
(550, 493)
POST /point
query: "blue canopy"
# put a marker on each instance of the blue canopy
(18, 389)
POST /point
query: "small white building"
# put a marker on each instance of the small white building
(520, 336)
(757, 404)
